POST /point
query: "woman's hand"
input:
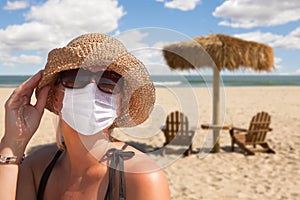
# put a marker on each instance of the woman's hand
(21, 118)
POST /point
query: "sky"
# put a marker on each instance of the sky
(30, 29)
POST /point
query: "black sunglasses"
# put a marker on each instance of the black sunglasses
(107, 81)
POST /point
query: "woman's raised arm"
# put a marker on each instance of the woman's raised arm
(21, 121)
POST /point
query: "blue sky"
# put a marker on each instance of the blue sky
(30, 29)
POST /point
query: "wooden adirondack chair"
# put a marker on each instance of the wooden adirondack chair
(254, 135)
(177, 131)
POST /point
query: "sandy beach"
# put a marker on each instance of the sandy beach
(224, 175)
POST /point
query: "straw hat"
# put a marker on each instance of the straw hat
(102, 50)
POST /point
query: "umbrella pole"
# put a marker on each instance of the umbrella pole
(216, 109)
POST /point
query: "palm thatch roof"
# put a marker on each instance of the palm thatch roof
(226, 52)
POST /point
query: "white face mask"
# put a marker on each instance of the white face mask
(88, 110)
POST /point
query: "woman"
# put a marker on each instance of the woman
(94, 85)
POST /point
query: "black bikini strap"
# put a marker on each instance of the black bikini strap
(124, 147)
(46, 175)
(117, 157)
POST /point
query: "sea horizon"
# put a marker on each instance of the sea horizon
(7, 81)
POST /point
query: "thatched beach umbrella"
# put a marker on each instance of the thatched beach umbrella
(226, 52)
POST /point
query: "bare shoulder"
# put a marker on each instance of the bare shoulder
(38, 159)
(144, 178)
(41, 154)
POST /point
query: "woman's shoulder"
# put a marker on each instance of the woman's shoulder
(140, 162)
(42, 153)
(39, 157)
(144, 176)
(145, 179)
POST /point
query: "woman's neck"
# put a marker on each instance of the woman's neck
(84, 152)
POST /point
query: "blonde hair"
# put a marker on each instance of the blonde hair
(59, 137)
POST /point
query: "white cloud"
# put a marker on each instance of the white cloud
(289, 41)
(253, 13)
(296, 32)
(23, 60)
(296, 72)
(55, 22)
(80, 16)
(277, 63)
(141, 45)
(29, 36)
(132, 39)
(183, 5)
(16, 5)
(259, 36)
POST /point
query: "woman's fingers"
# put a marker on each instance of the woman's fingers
(22, 118)
(42, 99)
(29, 85)
(24, 91)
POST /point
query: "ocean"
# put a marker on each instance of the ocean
(227, 80)
(195, 81)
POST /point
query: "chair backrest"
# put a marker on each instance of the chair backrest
(258, 128)
(177, 125)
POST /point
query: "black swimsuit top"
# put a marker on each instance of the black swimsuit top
(116, 157)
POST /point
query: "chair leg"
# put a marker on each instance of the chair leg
(244, 148)
(164, 149)
(188, 151)
(248, 151)
(232, 144)
(232, 139)
(267, 147)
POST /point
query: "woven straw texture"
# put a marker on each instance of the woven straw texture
(102, 50)
(226, 52)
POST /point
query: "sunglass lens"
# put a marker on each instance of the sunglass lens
(109, 81)
(108, 86)
(73, 79)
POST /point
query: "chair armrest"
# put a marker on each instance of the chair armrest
(205, 126)
(238, 129)
(211, 126)
(243, 130)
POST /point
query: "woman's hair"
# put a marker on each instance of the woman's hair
(59, 137)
